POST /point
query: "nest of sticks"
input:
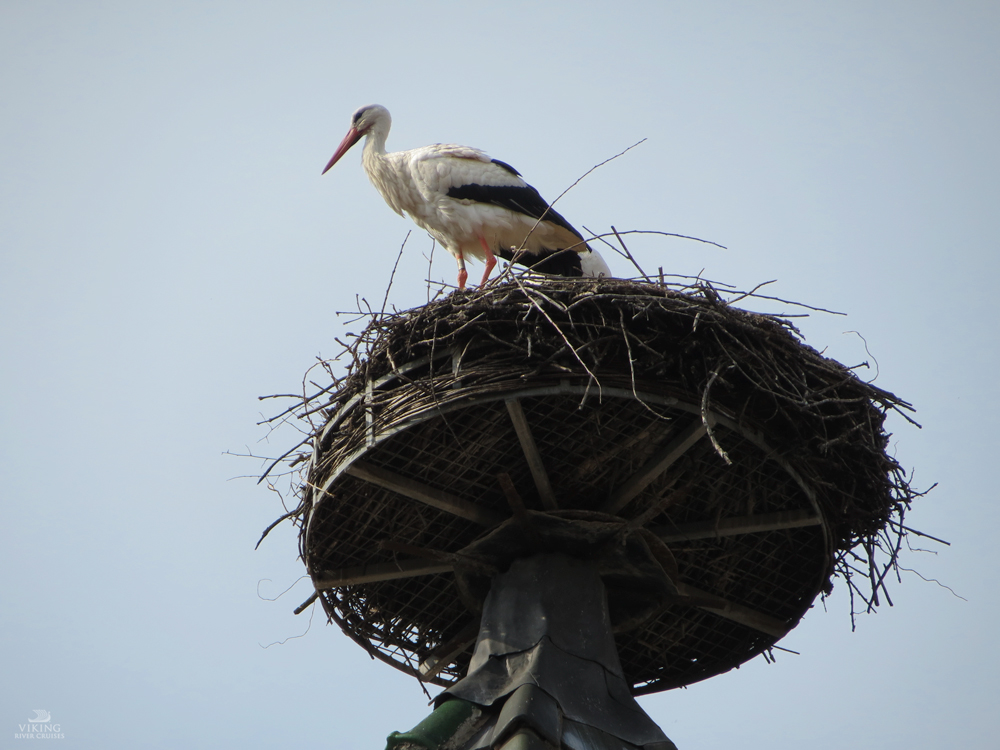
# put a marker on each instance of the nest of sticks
(789, 489)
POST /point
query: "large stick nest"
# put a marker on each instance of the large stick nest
(625, 366)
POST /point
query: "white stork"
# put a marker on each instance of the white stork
(473, 205)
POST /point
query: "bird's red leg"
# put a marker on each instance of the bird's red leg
(491, 260)
(463, 275)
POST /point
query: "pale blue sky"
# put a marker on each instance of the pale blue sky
(170, 252)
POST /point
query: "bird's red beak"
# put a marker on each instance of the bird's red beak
(352, 137)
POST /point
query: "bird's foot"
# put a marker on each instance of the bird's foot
(463, 276)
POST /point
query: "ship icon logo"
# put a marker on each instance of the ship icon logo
(41, 716)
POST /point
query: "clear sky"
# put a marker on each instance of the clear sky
(170, 252)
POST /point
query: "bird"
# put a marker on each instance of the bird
(474, 205)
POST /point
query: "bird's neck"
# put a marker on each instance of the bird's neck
(374, 149)
(373, 156)
(379, 169)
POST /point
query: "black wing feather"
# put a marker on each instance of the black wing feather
(523, 200)
(508, 167)
(559, 263)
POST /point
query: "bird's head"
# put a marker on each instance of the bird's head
(372, 117)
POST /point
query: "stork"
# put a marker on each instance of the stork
(473, 205)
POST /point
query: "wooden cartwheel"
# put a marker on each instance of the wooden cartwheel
(718, 468)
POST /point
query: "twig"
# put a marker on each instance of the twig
(918, 533)
(430, 263)
(634, 263)
(664, 234)
(706, 420)
(751, 293)
(548, 208)
(595, 167)
(302, 607)
(289, 514)
(393, 274)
